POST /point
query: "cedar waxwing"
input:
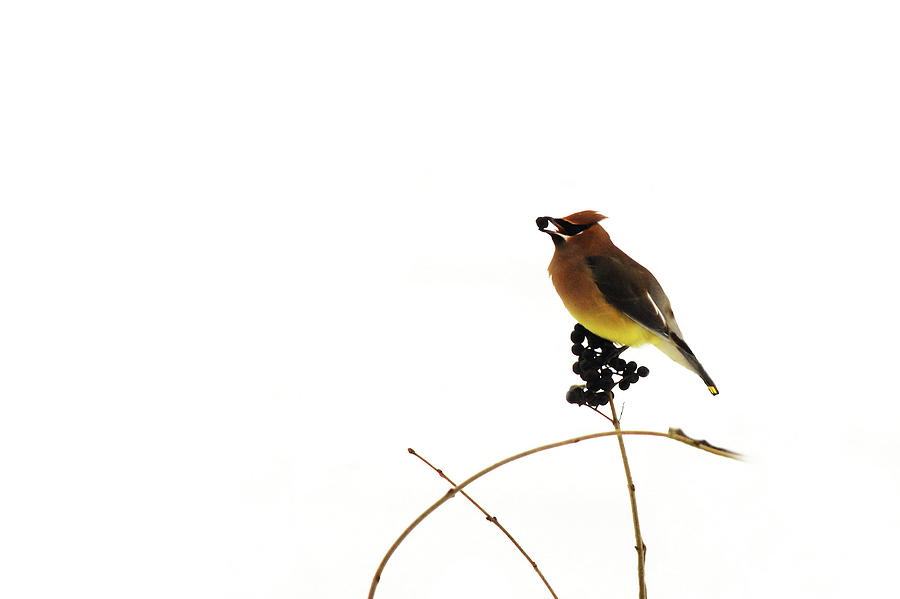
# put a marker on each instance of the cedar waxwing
(609, 293)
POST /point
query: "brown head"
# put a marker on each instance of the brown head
(579, 228)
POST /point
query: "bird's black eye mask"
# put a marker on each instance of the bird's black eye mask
(570, 229)
(563, 226)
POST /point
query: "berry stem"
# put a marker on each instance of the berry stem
(639, 544)
(600, 412)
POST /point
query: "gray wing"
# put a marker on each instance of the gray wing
(632, 289)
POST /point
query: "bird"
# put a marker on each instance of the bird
(609, 293)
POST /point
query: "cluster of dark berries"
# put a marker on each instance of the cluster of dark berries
(598, 363)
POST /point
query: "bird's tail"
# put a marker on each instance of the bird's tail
(679, 351)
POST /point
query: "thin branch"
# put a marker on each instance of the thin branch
(639, 544)
(600, 412)
(680, 435)
(492, 519)
(449, 494)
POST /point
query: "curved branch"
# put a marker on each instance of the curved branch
(675, 434)
(493, 520)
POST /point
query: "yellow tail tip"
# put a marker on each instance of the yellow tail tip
(712, 389)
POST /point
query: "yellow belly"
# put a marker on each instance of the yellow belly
(610, 324)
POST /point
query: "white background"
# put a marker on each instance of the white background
(251, 252)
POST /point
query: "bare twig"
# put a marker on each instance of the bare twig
(449, 494)
(600, 412)
(639, 544)
(680, 435)
(492, 519)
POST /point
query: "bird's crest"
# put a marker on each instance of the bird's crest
(585, 217)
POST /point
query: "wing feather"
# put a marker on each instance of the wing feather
(633, 290)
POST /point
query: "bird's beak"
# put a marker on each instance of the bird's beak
(558, 237)
(545, 221)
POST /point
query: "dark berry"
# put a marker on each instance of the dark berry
(577, 349)
(598, 342)
(604, 397)
(630, 367)
(593, 399)
(577, 337)
(624, 384)
(586, 353)
(576, 368)
(587, 362)
(594, 364)
(579, 328)
(617, 363)
(594, 385)
(643, 371)
(633, 378)
(576, 395)
(607, 384)
(586, 376)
